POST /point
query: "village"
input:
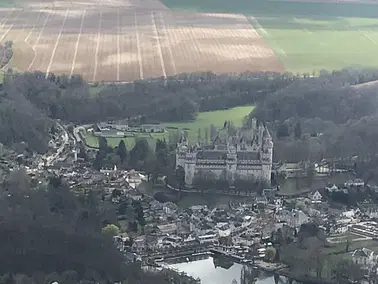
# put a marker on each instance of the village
(156, 233)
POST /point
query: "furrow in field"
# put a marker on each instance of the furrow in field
(186, 53)
(165, 43)
(45, 42)
(128, 53)
(149, 47)
(107, 56)
(86, 52)
(66, 48)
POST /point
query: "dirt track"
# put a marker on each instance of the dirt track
(128, 40)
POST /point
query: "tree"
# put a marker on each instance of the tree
(346, 270)
(282, 131)
(121, 151)
(19, 182)
(270, 254)
(111, 230)
(298, 130)
(103, 145)
(139, 153)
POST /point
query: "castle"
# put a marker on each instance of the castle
(243, 154)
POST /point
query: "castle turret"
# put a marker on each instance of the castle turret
(181, 150)
(190, 167)
(267, 155)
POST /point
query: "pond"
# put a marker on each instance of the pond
(217, 271)
(289, 186)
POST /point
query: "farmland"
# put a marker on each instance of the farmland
(306, 35)
(202, 122)
(125, 40)
(129, 40)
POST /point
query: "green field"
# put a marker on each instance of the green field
(216, 118)
(203, 122)
(306, 37)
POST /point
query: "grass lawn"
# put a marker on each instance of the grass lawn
(216, 118)
(306, 37)
(203, 122)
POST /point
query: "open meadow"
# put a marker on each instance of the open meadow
(202, 122)
(306, 35)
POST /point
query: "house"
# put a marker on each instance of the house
(365, 257)
(152, 128)
(332, 188)
(134, 178)
(262, 200)
(139, 244)
(372, 212)
(167, 229)
(294, 218)
(224, 229)
(316, 197)
(208, 238)
(292, 170)
(169, 208)
(355, 183)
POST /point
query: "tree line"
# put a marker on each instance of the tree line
(328, 116)
(29, 101)
(157, 161)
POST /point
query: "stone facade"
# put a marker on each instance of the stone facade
(247, 154)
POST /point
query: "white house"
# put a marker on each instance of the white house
(316, 197)
(372, 212)
(365, 257)
(355, 183)
(134, 178)
(223, 229)
(332, 188)
(209, 237)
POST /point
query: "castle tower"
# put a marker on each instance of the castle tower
(267, 155)
(190, 167)
(181, 150)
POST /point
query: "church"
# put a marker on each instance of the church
(245, 154)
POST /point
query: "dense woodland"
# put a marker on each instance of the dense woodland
(323, 117)
(49, 234)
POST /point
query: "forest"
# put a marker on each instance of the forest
(50, 234)
(322, 117)
(329, 107)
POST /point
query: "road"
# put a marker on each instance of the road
(51, 159)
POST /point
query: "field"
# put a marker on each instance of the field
(306, 35)
(216, 118)
(125, 40)
(203, 122)
(130, 39)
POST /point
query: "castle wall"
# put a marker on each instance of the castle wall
(248, 173)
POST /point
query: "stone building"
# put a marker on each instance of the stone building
(234, 154)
